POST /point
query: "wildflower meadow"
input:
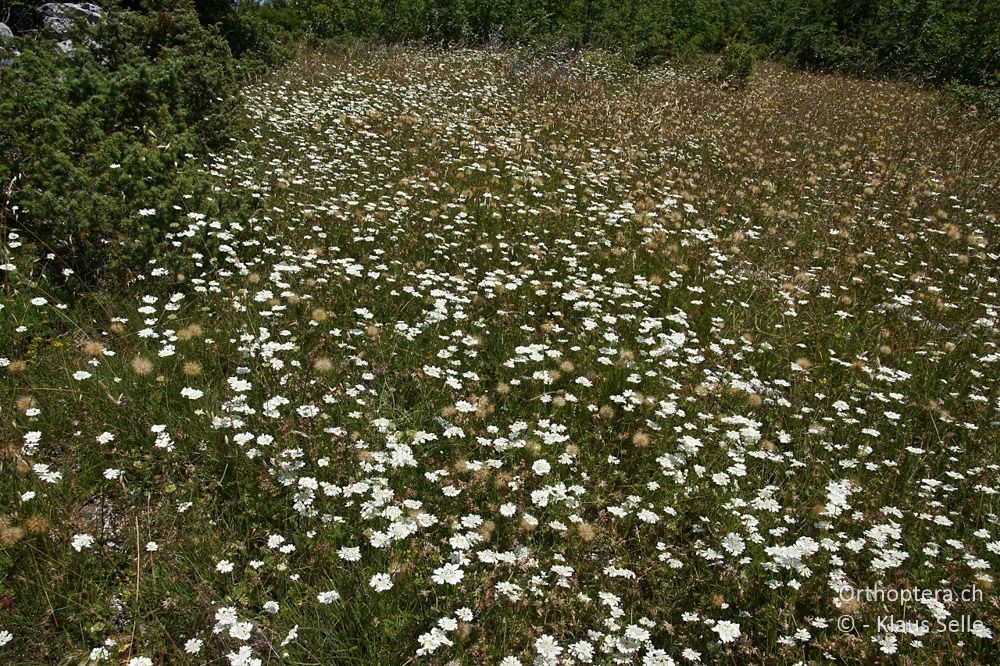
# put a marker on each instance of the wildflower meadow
(513, 357)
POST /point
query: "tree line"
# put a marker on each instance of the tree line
(940, 41)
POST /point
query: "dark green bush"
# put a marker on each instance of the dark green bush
(90, 137)
(642, 30)
(348, 18)
(282, 15)
(737, 63)
(984, 100)
(941, 41)
(257, 43)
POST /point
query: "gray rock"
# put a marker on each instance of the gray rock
(58, 25)
(59, 17)
(86, 10)
(7, 53)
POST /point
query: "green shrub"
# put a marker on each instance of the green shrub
(91, 137)
(281, 14)
(941, 41)
(737, 63)
(984, 100)
(344, 18)
(258, 44)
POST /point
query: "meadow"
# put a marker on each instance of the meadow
(527, 359)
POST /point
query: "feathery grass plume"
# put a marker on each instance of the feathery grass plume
(142, 366)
